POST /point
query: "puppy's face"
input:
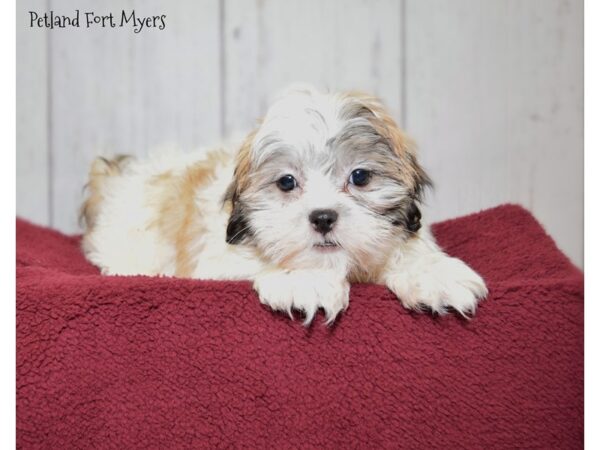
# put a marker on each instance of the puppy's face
(327, 181)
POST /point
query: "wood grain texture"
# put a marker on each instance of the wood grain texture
(335, 44)
(115, 91)
(491, 91)
(495, 101)
(32, 118)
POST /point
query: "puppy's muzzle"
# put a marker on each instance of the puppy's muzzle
(323, 220)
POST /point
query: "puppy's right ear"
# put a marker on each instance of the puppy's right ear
(238, 228)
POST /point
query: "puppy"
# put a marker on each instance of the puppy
(324, 192)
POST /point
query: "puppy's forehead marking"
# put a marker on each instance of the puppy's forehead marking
(316, 113)
(325, 131)
(305, 120)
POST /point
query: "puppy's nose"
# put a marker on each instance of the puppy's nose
(323, 219)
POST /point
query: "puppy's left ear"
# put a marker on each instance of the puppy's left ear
(413, 217)
(238, 229)
(403, 147)
(421, 180)
(410, 172)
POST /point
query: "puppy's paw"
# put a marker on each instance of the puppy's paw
(439, 283)
(304, 290)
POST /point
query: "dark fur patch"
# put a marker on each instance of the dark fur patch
(413, 218)
(237, 227)
(406, 215)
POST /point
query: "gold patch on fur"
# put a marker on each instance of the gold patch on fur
(178, 218)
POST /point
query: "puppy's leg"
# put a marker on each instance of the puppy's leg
(422, 275)
(304, 290)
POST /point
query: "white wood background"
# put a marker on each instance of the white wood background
(491, 90)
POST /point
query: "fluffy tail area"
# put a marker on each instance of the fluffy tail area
(101, 170)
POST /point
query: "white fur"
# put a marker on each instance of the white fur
(283, 255)
(122, 243)
(304, 290)
(421, 275)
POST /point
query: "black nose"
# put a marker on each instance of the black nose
(323, 219)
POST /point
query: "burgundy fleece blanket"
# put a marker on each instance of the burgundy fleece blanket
(138, 362)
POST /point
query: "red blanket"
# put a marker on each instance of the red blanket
(132, 362)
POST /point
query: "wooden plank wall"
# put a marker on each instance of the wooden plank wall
(492, 91)
(494, 97)
(33, 174)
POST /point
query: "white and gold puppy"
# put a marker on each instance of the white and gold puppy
(324, 192)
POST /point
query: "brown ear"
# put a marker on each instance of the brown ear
(237, 227)
(403, 146)
(420, 177)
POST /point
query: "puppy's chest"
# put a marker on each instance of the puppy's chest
(365, 274)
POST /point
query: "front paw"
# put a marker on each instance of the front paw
(439, 283)
(304, 290)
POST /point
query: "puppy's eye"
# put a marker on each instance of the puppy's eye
(360, 177)
(287, 183)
